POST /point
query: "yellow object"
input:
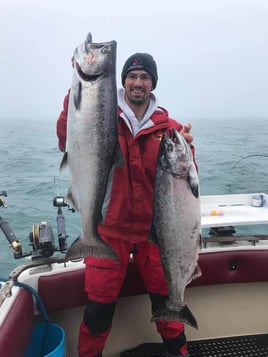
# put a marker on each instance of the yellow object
(215, 212)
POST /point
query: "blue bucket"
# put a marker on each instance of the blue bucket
(48, 340)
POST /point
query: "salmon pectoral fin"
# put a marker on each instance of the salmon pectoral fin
(79, 249)
(182, 315)
(64, 161)
(196, 274)
(71, 200)
(77, 89)
(193, 181)
(118, 156)
(152, 235)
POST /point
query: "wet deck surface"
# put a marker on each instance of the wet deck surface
(241, 346)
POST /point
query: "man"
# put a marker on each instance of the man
(128, 210)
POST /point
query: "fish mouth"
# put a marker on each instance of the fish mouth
(87, 77)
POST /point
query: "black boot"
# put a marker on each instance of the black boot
(174, 346)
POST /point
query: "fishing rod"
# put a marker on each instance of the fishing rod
(41, 237)
(246, 157)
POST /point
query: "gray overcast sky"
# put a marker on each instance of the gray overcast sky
(212, 55)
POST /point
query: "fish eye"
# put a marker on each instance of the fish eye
(169, 147)
(104, 49)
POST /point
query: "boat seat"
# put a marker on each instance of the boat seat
(16, 330)
(224, 267)
(57, 293)
(234, 266)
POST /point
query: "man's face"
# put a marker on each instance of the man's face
(138, 86)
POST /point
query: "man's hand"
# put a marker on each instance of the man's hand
(185, 132)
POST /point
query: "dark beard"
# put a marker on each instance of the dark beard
(137, 101)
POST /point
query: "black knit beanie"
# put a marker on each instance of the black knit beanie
(140, 61)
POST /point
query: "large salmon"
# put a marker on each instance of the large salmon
(176, 225)
(92, 146)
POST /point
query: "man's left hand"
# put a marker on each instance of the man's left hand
(185, 132)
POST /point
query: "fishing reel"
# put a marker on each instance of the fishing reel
(41, 237)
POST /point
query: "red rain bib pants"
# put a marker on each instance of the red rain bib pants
(103, 281)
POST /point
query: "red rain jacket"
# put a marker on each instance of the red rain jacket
(129, 213)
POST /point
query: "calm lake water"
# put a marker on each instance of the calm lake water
(30, 171)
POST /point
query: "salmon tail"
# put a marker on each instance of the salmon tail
(182, 315)
(104, 252)
(79, 250)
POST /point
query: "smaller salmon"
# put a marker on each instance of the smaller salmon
(176, 225)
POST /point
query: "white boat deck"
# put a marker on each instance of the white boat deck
(232, 210)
